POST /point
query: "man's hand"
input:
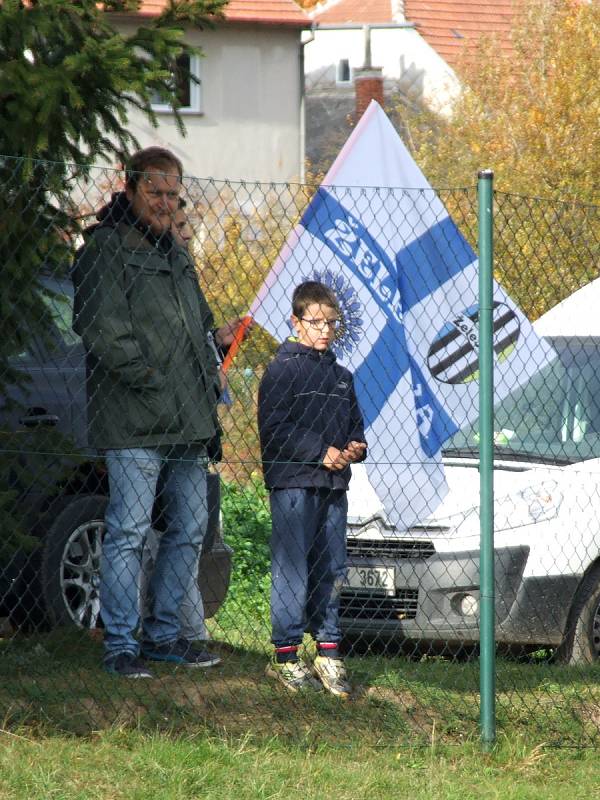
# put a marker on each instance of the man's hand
(225, 335)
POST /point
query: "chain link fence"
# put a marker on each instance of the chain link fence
(409, 603)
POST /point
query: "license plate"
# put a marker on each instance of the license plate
(380, 580)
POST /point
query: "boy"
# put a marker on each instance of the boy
(311, 430)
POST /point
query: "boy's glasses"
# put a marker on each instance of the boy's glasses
(319, 324)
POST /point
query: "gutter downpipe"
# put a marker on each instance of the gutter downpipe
(303, 102)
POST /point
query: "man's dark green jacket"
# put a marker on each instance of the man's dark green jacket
(151, 375)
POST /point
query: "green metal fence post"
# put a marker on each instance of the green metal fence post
(487, 664)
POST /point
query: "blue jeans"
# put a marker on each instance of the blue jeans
(133, 477)
(191, 612)
(308, 563)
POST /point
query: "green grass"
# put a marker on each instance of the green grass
(54, 682)
(68, 730)
(136, 765)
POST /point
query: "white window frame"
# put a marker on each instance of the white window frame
(338, 71)
(195, 106)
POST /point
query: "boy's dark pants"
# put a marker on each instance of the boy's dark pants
(308, 552)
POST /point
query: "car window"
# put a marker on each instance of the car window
(555, 415)
(60, 306)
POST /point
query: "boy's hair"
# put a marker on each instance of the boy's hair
(309, 292)
(151, 159)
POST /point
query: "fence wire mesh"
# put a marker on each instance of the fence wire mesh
(150, 282)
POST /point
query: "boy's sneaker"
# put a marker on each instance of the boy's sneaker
(180, 652)
(294, 675)
(332, 674)
(127, 666)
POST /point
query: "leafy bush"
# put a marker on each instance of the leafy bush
(246, 528)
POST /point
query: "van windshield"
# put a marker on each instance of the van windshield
(554, 417)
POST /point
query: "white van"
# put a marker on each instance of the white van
(421, 586)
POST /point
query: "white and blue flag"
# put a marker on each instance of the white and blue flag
(407, 283)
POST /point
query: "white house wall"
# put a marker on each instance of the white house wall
(250, 124)
(402, 53)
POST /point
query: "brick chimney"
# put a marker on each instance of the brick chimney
(368, 85)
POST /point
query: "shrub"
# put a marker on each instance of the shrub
(246, 528)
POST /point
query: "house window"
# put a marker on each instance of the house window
(344, 73)
(188, 91)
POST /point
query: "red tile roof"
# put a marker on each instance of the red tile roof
(449, 25)
(267, 12)
(359, 11)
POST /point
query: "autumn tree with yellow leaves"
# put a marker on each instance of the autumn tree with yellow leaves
(533, 117)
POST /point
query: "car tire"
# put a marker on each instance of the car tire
(25, 606)
(354, 646)
(70, 567)
(581, 644)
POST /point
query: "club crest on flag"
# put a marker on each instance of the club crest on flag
(453, 355)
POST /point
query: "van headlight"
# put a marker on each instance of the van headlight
(537, 503)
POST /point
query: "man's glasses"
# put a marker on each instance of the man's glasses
(319, 324)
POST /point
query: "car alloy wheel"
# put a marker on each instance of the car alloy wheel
(70, 573)
(80, 573)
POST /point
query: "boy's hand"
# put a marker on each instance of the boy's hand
(339, 459)
(354, 451)
(335, 459)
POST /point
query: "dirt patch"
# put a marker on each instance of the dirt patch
(418, 717)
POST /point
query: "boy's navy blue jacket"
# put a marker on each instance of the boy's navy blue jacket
(306, 403)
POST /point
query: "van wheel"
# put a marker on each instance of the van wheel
(581, 644)
(70, 571)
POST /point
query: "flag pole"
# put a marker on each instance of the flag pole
(487, 663)
(237, 340)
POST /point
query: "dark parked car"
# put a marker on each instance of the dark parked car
(61, 489)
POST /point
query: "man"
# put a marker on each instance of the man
(152, 385)
(191, 611)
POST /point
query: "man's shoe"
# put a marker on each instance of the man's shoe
(180, 652)
(332, 674)
(127, 666)
(294, 675)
